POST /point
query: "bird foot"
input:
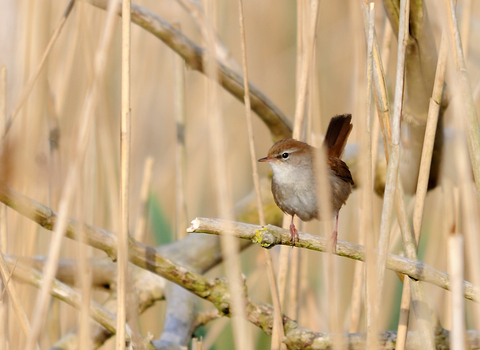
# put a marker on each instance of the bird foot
(293, 233)
(334, 242)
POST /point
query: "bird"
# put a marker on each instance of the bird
(294, 184)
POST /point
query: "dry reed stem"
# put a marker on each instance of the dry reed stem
(330, 264)
(472, 127)
(384, 123)
(404, 315)
(299, 281)
(285, 256)
(467, 117)
(384, 107)
(467, 219)
(180, 151)
(465, 25)
(300, 32)
(422, 182)
(288, 259)
(228, 243)
(323, 183)
(140, 226)
(293, 284)
(307, 54)
(366, 219)
(277, 331)
(125, 140)
(356, 300)
(283, 262)
(382, 101)
(456, 269)
(429, 140)
(470, 220)
(3, 108)
(31, 81)
(41, 304)
(4, 336)
(4, 331)
(303, 39)
(85, 278)
(393, 164)
(423, 314)
(305, 44)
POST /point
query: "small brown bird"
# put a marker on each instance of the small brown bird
(294, 179)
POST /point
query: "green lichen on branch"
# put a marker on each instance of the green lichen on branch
(264, 238)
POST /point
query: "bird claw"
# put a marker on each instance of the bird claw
(293, 234)
(334, 242)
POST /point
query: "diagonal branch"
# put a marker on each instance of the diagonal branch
(65, 293)
(216, 291)
(269, 236)
(278, 123)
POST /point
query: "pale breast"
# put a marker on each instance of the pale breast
(295, 191)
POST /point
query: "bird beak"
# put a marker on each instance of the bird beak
(266, 159)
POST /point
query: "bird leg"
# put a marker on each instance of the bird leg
(334, 235)
(293, 232)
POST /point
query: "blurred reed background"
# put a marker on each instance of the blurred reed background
(40, 147)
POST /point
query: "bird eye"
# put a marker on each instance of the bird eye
(285, 155)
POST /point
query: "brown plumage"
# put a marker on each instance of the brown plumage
(294, 178)
(337, 134)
